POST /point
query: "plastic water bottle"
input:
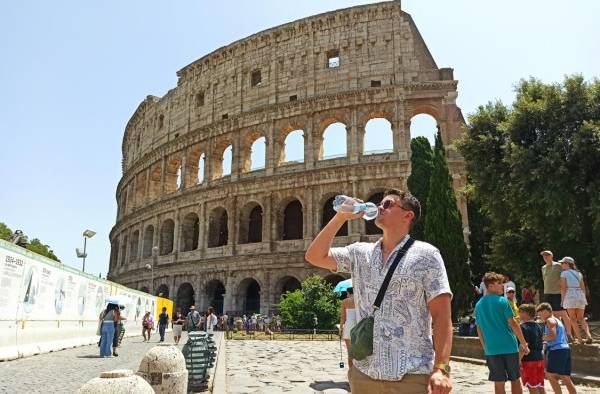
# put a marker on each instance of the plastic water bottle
(350, 205)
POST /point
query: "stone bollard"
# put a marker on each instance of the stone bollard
(164, 368)
(119, 381)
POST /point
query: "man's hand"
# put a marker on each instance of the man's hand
(524, 348)
(439, 383)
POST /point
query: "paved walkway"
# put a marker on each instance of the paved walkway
(313, 367)
(67, 370)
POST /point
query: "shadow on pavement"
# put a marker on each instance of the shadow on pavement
(90, 356)
(325, 385)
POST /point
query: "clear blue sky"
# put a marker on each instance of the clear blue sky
(73, 72)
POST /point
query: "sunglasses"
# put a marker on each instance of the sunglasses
(390, 203)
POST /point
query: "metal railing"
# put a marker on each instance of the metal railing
(286, 334)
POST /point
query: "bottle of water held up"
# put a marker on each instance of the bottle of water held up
(350, 205)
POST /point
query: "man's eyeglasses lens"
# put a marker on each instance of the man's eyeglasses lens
(387, 204)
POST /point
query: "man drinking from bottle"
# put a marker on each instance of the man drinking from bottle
(406, 357)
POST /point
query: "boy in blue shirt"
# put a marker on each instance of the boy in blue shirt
(558, 365)
(497, 328)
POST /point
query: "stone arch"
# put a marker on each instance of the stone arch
(215, 293)
(173, 172)
(190, 231)
(162, 291)
(134, 245)
(218, 159)
(378, 136)
(285, 284)
(370, 227)
(196, 163)
(424, 125)
(333, 279)
(123, 253)
(251, 223)
(254, 145)
(293, 221)
(288, 142)
(218, 231)
(249, 294)
(328, 212)
(148, 241)
(332, 140)
(185, 298)
(167, 234)
(155, 181)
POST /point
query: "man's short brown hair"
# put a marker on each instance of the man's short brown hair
(492, 277)
(527, 308)
(544, 306)
(408, 201)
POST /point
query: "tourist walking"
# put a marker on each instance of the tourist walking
(163, 322)
(147, 326)
(348, 319)
(532, 364)
(498, 332)
(107, 318)
(572, 290)
(193, 319)
(408, 356)
(211, 320)
(119, 329)
(177, 324)
(558, 365)
(551, 271)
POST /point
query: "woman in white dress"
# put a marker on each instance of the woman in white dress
(348, 319)
(211, 320)
(572, 290)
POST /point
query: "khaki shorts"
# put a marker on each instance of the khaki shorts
(410, 384)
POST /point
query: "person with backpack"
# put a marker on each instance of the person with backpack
(147, 326)
(193, 319)
(163, 322)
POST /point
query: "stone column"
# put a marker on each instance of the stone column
(163, 176)
(208, 163)
(176, 231)
(270, 159)
(147, 186)
(229, 299)
(183, 184)
(236, 159)
(201, 222)
(309, 157)
(266, 298)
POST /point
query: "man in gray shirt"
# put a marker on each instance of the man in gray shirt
(551, 274)
(408, 356)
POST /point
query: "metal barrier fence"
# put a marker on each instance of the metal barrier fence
(287, 334)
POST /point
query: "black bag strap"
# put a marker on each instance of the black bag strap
(390, 272)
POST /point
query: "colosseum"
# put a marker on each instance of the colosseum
(202, 220)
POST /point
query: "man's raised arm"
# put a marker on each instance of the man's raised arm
(318, 251)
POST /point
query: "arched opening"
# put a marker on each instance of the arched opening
(190, 232)
(162, 291)
(333, 279)
(215, 292)
(167, 231)
(144, 289)
(218, 233)
(287, 284)
(334, 142)
(424, 125)
(257, 154)
(370, 227)
(201, 166)
(173, 173)
(134, 246)
(140, 187)
(379, 137)
(293, 147)
(328, 214)
(251, 224)
(155, 181)
(185, 298)
(293, 221)
(178, 178)
(148, 240)
(226, 161)
(250, 291)
(123, 254)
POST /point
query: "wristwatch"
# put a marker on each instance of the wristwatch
(445, 368)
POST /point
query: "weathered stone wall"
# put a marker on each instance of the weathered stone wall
(384, 71)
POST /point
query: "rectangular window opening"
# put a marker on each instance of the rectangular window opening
(293, 98)
(256, 78)
(200, 99)
(333, 58)
(375, 84)
(225, 116)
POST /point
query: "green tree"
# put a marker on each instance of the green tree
(533, 168)
(5, 232)
(418, 181)
(443, 229)
(315, 298)
(37, 247)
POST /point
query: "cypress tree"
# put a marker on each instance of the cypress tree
(418, 181)
(443, 229)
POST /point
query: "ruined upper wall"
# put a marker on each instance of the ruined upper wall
(378, 45)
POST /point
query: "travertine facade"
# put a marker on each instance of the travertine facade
(238, 241)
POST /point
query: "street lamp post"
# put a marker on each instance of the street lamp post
(86, 234)
(151, 268)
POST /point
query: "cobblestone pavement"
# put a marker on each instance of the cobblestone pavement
(313, 367)
(67, 370)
